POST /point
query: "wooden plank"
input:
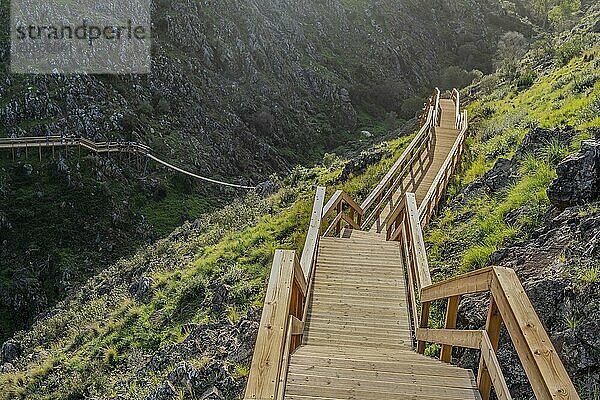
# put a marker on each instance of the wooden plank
(417, 242)
(353, 389)
(312, 237)
(333, 224)
(492, 326)
(488, 355)
(473, 282)
(462, 338)
(297, 326)
(267, 359)
(450, 323)
(541, 363)
(332, 204)
(285, 361)
(350, 201)
(399, 373)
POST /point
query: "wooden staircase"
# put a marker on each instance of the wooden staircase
(350, 318)
(357, 336)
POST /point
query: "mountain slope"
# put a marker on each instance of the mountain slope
(240, 87)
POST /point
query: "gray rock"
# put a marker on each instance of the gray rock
(359, 164)
(267, 188)
(165, 391)
(183, 375)
(212, 394)
(139, 290)
(578, 180)
(6, 367)
(501, 174)
(10, 351)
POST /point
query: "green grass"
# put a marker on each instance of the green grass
(96, 335)
(564, 96)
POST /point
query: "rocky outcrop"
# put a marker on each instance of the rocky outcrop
(223, 345)
(559, 269)
(578, 180)
(10, 351)
(506, 171)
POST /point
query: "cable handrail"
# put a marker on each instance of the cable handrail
(106, 147)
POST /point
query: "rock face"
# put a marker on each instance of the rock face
(246, 86)
(10, 351)
(556, 267)
(578, 179)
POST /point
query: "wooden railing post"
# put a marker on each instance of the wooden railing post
(314, 231)
(423, 323)
(492, 327)
(450, 323)
(265, 370)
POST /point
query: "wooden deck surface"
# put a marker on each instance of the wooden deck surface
(431, 161)
(357, 339)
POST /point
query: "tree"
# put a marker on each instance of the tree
(561, 14)
(511, 48)
(556, 12)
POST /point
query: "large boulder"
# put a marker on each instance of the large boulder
(10, 351)
(578, 180)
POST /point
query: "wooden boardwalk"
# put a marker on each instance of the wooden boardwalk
(350, 318)
(429, 162)
(357, 340)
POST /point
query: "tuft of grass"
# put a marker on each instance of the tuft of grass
(476, 257)
(590, 275)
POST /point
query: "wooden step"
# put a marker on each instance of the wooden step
(364, 389)
(407, 365)
(410, 372)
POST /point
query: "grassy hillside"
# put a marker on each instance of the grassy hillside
(564, 96)
(206, 277)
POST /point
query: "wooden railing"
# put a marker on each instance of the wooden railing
(289, 288)
(456, 99)
(385, 189)
(284, 312)
(132, 148)
(437, 191)
(343, 210)
(403, 225)
(509, 305)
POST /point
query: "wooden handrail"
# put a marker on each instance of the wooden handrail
(456, 99)
(509, 305)
(284, 313)
(438, 188)
(339, 203)
(311, 244)
(403, 225)
(286, 292)
(384, 190)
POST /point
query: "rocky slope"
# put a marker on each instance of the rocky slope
(238, 89)
(179, 318)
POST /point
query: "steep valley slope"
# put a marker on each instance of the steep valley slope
(238, 90)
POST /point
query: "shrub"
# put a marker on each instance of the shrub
(526, 79)
(586, 83)
(568, 50)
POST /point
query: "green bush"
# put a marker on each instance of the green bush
(526, 79)
(568, 50)
(586, 83)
